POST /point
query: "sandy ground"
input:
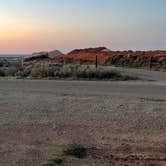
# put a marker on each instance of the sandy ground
(121, 123)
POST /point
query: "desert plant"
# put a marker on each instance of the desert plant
(52, 71)
(75, 150)
(11, 71)
(2, 72)
(75, 72)
(48, 164)
(39, 70)
(57, 161)
(1, 63)
(25, 72)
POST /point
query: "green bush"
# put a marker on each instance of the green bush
(86, 72)
(75, 72)
(2, 72)
(24, 72)
(57, 161)
(11, 71)
(51, 72)
(1, 63)
(75, 150)
(39, 70)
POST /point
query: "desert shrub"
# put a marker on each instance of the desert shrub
(11, 71)
(87, 72)
(53, 161)
(44, 70)
(108, 74)
(57, 161)
(65, 71)
(76, 72)
(134, 63)
(39, 70)
(122, 61)
(2, 72)
(56, 158)
(4, 63)
(75, 150)
(25, 72)
(1, 63)
(52, 71)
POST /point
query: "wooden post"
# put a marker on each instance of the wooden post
(150, 63)
(96, 62)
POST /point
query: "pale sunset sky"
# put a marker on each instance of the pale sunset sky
(38, 25)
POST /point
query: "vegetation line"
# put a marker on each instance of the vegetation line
(69, 72)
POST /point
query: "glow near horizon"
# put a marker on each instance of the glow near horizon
(36, 25)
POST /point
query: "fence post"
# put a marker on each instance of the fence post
(96, 62)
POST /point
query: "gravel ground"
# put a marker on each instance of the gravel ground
(121, 123)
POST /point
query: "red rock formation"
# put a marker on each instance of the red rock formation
(136, 58)
(86, 55)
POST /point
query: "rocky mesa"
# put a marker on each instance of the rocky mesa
(128, 58)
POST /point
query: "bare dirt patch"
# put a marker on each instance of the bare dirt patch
(120, 123)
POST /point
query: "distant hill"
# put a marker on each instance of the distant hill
(54, 53)
(86, 55)
(89, 50)
(129, 58)
(42, 55)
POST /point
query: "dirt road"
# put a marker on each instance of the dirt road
(121, 123)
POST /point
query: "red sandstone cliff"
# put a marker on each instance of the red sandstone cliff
(123, 58)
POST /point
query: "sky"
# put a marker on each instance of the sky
(28, 26)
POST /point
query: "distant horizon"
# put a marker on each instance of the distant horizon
(83, 47)
(20, 54)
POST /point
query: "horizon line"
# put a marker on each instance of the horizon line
(66, 52)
